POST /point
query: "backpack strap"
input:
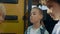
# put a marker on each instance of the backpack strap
(42, 30)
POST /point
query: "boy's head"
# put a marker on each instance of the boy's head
(49, 2)
(54, 5)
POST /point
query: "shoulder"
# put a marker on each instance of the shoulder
(46, 32)
(28, 29)
(58, 31)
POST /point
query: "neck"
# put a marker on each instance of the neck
(36, 25)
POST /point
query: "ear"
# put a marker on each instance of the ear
(41, 16)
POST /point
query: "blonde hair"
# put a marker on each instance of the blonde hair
(41, 12)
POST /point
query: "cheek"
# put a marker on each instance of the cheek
(34, 19)
(53, 11)
(40, 17)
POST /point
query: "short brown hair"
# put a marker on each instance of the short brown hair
(57, 1)
(48, 2)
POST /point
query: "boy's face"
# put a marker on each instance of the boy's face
(55, 10)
